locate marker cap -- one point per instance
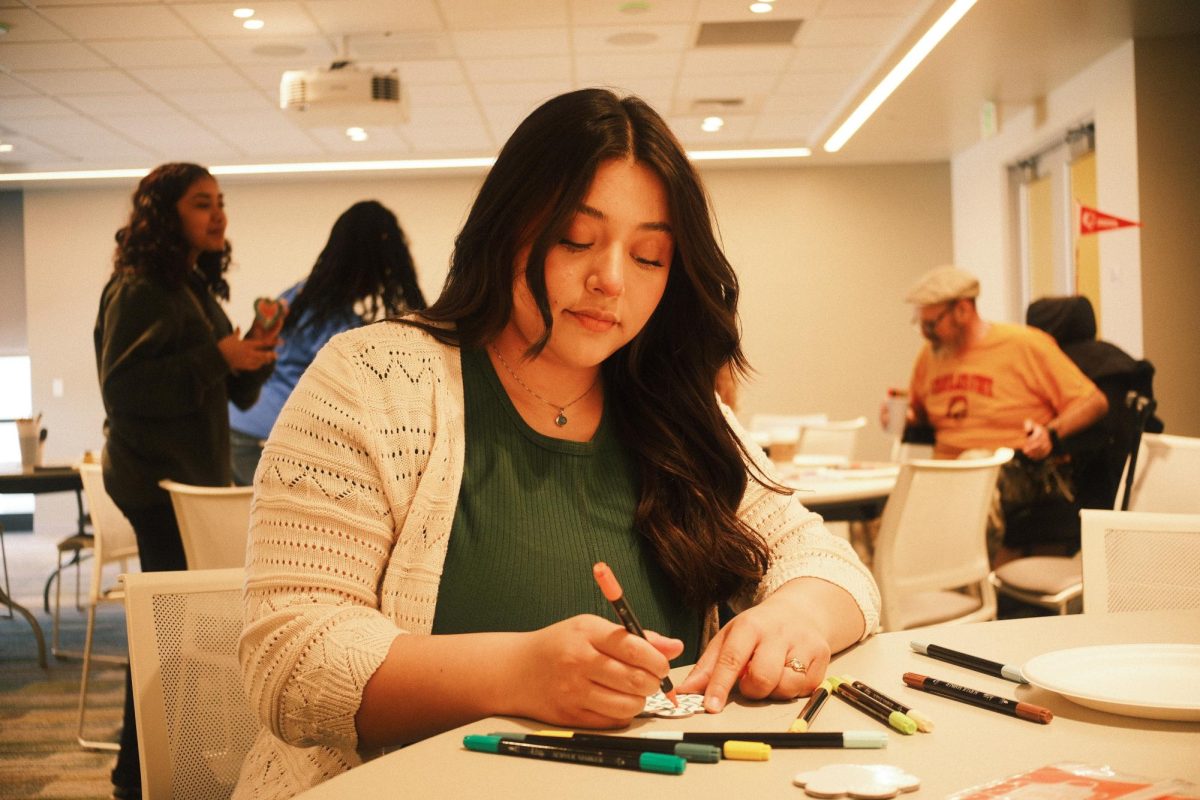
(1013, 674)
(700, 753)
(661, 762)
(747, 751)
(902, 723)
(483, 744)
(798, 726)
(864, 739)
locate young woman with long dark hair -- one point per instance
(169, 362)
(364, 273)
(437, 489)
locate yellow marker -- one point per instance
(809, 712)
(746, 751)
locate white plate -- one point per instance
(1156, 681)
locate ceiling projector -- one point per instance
(343, 94)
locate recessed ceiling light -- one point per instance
(253, 24)
(243, 13)
(6, 148)
(712, 124)
(761, 8)
(356, 134)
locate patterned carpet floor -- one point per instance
(39, 757)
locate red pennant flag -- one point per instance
(1093, 221)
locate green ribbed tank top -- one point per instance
(534, 514)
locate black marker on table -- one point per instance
(1006, 671)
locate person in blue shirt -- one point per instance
(364, 273)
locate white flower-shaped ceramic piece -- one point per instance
(859, 781)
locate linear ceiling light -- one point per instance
(363, 166)
(899, 72)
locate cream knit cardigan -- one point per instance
(353, 503)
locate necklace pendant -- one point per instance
(561, 419)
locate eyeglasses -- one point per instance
(929, 324)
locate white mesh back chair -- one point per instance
(831, 437)
(113, 545)
(1167, 475)
(1139, 561)
(195, 725)
(214, 522)
(931, 560)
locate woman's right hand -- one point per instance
(246, 355)
(587, 672)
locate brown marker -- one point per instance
(975, 697)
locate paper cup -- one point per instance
(27, 436)
(897, 408)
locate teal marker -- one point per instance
(578, 754)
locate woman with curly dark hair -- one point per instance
(169, 361)
(364, 273)
(434, 497)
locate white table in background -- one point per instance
(969, 746)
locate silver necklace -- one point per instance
(561, 418)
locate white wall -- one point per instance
(1103, 93)
(824, 256)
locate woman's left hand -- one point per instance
(779, 649)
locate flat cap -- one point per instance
(941, 284)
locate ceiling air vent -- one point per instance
(740, 34)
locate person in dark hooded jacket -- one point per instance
(1098, 454)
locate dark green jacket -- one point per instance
(165, 388)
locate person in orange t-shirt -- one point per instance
(983, 384)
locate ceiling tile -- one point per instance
(421, 96)
(254, 132)
(157, 52)
(596, 68)
(687, 130)
(736, 60)
(382, 142)
(288, 52)
(840, 31)
(21, 56)
(119, 105)
(240, 100)
(353, 17)
(666, 39)
(726, 11)
(784, 129)
(833, 59)
(153, 131)
(11, 87)
(83, 139)
(607, 12)
(75, 82)
(512, 41)
(461, 15)
(724, 85)
(26, 26)
(281, 18)
(21, 107)
(432, 73)
(88, 23)
(404, 46)
(171, 79)
(500, 70)
(452, 140)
